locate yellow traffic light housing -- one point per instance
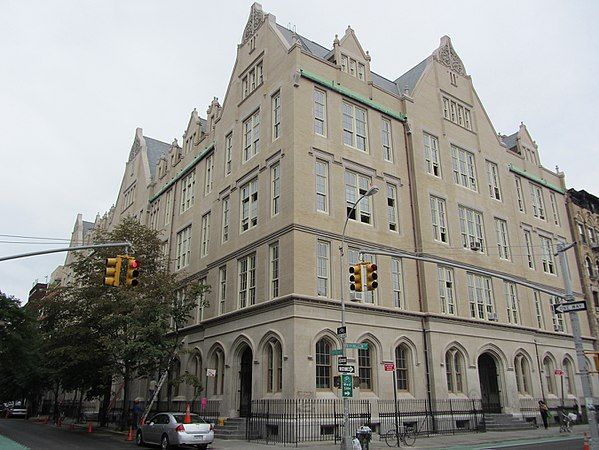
(355, 277)
(112, 276)
(132, 272)
(371, 277)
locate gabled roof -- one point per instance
(155, 150)
(203, 125)
(409, 79)
(509, 141)
(87, 226)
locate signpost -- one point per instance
(342, 360)
(390, 367)
(357, 345)
(347, 385)
(346, 369)
(570, 307)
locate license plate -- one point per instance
(199, 436)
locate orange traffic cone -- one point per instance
(90, 428)
(187, 418)
(585, 444)
(130, 435)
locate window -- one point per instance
(454, 366)
(276, 116)
(493, 178)
(129, 196)
(353, 67)
(322, 186)
(446, 290)
(464, 172)
(365, 368)
(554, 209)
(365, 296)
(205, 235)
(386, 139)
(592, 235)
(457, 113)
(522, 369)
(275, 189)
(274, 366)
(361, 72)
(559, 324)
(356, 186)
(549, 368)
(480, 296)
(154, 210)
(547, 255)
(251, 136)
(274, 270)
(503, 244)
(529, 249)
(187, 192)
(168, 209)
(581, 233)
(589, 266)
(539, 310)
(511, 301)
(402, 364)
(568, 380)
(453, 78)
(226, 206)
(222, 296)
(228, 153)
(354, 126)
(249, 205)
(247, 280)
(439, 220)
(538, 206)
(209, 171)
(200, 302)
(320, 112)
(323, 364)
(392, 207)
(218, 362)
(431, 155)
(323, 268)
(471, 226)
(344, 63)
(520, 195)
(183, 247)
(252, 80)
(396, 283)
(174, 383)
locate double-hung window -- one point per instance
(209, 172)
(226, 214)
(251, 136)
(471, 227)
(480, 296)
(392, 215)
(276, 116)
(553, 201)
(520, 194)
(205, 235)
(247, 280)
(446, 290)
(530, 258)
(439, 220)
(559, 324)
(183, 247)
(323, 268)
(539, 310)
(168, 208)
(322, 186)
(222, 296)
(464, 171)
(547, 255)
(228, 153)
(249, 205)
(396, 283)
(320, 112)
(538, 206)
(275, 189)
(187, 192)
(355, 186)
(511, 301)
(431, 155)
(493, 179)
(354, 126)
(274, 269)
(386, 140)
(503, 244)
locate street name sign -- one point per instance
(342, 360)
(357, 345)
(570, 307)
(347, 386)
(346, 369)
(337, 352)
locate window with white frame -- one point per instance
(322, 186)
(589, 266)
(353, 67)
(386, 140)
(439, 220)
(226, 218)
(539, 310)
(480, 296)
(549, 369)
(276, 115)
(493, 179)
(464, 171)
(274, 366)
(324, 365)
(503, 244)
(559, 324)
(519, 194)
(554, 209)
(568, 385)
(354, 126)
(129, 196)
(275, 189)
(431, 155)
(547, 255)
(168, 209)
(205, 235)
(511, 301)
(209, 172)
(323, 268)
(454, 371)
(402, 365)
(471, 227)
(274, 270)
(154, 212)
(364, 296)
(201, 304)
(530, 258)
(222, 295)
(249, 205)
(397, 283)
(187, 192)
(251, 136)
(183, 247)
(252, 80)
(457, 113)
(355, 186)
(522, 370)
(538, 206)
(320, 112)
(392, 215)
(247, 280)
(228, 153)
(446, 290)
(365, 367)
(581, 233)
(592, 235)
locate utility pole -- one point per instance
(582, 366)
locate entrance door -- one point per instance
(245, 383)
(489, 384)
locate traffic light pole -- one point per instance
(66, 249)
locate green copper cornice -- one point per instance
(541, 181)
(183, 171)
(329, 84)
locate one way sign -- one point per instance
(570, 307)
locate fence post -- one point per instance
(335, 419)
(453, 424)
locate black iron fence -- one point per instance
(529, 407)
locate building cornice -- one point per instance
(538, 180)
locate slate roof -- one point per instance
(155, 150)
(203, 125)
(87, 226)
(509, 141)
(410, 78)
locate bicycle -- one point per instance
(407, 435)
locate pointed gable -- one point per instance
(254, 22)
(447, 56)
(349, 42)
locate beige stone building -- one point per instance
(254, 200)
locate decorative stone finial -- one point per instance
(336, 40)
(447, 56)
(254, 21)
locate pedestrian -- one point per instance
(544, 410)
(137, 412)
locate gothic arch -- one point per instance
(410, 344)
(328, 333)
(236, 346)
(270, 334)
(375, 341)
(521, 351)
(496, 352)
(461, 348)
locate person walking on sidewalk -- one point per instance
(544, 410)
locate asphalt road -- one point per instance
(570, 444)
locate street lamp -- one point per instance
(346, 439)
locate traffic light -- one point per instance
(355, 277)
(371, 277)
(132, 272)
(113, 271)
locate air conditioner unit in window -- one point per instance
(493, 317)
(475, 246)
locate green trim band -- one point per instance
(536, 179)
(184, 171)
(353, 95)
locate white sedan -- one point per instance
(168, 430)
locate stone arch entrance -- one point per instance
(488, 376)
(245, 381)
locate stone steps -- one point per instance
(506, 422)
(234, 428)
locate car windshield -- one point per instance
(180, 418)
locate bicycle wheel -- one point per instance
(409, 436)
(391, 438)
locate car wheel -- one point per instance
(164, 444)
(203, 446)
(139, 440)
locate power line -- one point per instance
(34, 237)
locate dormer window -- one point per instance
(252, 80)
(353, 67)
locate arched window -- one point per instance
(568, 378)
(597, 266)
(218, 363)
(274, 366)
(549, 368)
(365, 367)
(454, 367)
(589, 266)
(323, 364)
(402, 363)
(522, 374)
(195, 368)
(174, 374)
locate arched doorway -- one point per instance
(489, 383)
(245, 382)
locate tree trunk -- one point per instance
(55, 411)
(125, 413)
(103, 416)
(79, 406)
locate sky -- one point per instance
(78, 77)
